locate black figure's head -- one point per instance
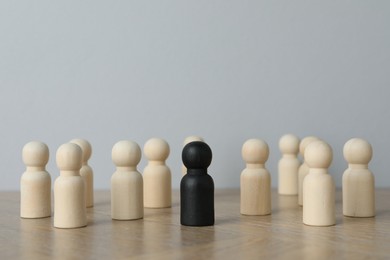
(196, 155)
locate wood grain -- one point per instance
(160, 236)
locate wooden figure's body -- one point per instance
(358, 180)
(197, 186)
(288, 165)
(303, 169)
(126, 182)
(255, 180)
(318, 187)
(69, 209)
(69, 189)
(86, 171)
(255, 191)
(35, 183)
(189, 139)
(157, 175)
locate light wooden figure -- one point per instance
(69, 189)
(189, 139)
(303, 169)
(35, 183)
(127, 200)
(318, 186)
(288, 165)
(86, 171)
(157, 175)
(255, 180)
(358, 180)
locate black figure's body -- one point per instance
(197, 187)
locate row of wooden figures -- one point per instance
(310, 180)
(131, 191)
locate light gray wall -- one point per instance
(225, 70)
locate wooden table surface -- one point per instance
(160, 236)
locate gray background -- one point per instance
(225, 70)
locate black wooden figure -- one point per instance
(197, 187)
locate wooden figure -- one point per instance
(197, 186)
(303, 169)
(288, 165)
(189, 139)
(157, 175)
(255, 180)
(35, 183)
(127, 201)
(69, 189)
(318, 186)
(86, 171)
(358, 181)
